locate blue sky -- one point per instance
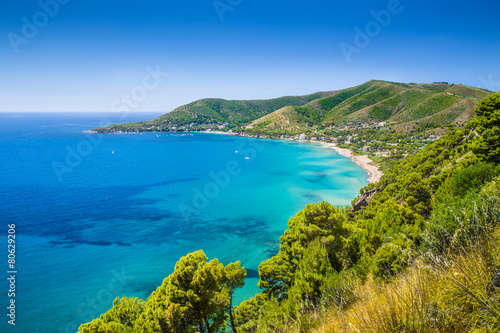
(86, 55)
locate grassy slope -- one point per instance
(408, 105)
(290, 119)
(451, 291)
(217, 111)
(447, 238)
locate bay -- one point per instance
(100, 216)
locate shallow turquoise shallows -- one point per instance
(100, 216)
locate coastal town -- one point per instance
(370, 145)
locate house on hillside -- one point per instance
(302, 137)
(434, 137)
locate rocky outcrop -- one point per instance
(364, 200)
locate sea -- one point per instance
(100, 216)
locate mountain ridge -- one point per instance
(407, 105)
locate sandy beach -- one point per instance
(374, 174)
(363, 161)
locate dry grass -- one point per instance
(402, 305)
(454, 293)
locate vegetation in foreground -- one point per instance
(420, 253)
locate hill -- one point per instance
(407, 106)
(212, 113)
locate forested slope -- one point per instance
(421, 255)
(408, 105)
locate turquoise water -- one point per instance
(100, 216)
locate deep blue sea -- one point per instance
(104, 215)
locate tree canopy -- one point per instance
(425, 205)
(487, 126)
(196, 297)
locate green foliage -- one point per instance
(413, 98)
(313, 269)
(435, 104)
(441, 202)
(388, 260)
(247, 313)
(234, 278)
(467, 180)
(197, 296)
(276, 275)
(329, 103)
(338, 289)
(380, 112)
(321, 222)
(434, 184)
(192, 298)
(416, 193)
(487, 126)
(437, 86)
(280, 317)
(385, 101)
(207, 113)
(469, 91)
(309, 115)
(120, 318)
(456, 201)
(372, 98)
(100, 326)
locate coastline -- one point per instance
(374, 174)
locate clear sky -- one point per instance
(75, 55)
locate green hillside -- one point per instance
(419, 251)
(392, 119)
(407, 106)
(288, 120)
(213, 112)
